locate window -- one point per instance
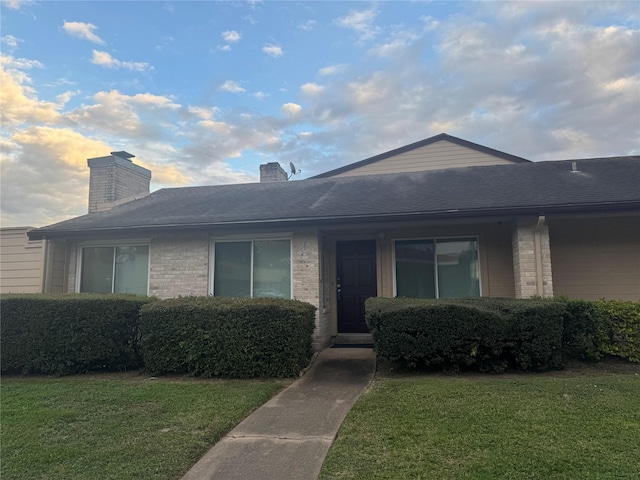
(115, 269)
(257, 268)
(437, 268)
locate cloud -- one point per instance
(311, 89)
(361, 22)
(232, 87)
(308, 25)
(331, 70)
(231, 36)
(82, 30)
(17, 4)
(104, 59)
(273, 50)
(260, 95)
(291, 109)
(10, 41)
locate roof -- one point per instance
(524, 188)
(423, 143)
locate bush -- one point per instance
(66, 334)
(483, 334)
(209, 336)
(623, 318)
(586, 330)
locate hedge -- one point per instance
(483, 334)
(67, 334)
(209, 336)
(623, 322)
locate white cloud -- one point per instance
(273, 50)
(260, 95)
(361, 22)
(82, 30)
(311, 89)
(104, 59)
(308, 25)
(224, 48)
(231, 36)
(232, 87)
(203, 112)
(291, 109)
(10, 41)
(17, 4)
(331, 70)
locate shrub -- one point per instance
(483, 334)
(585, 330)
(66, 334)
(623, 318)
(209, 336)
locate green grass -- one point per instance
(584, 426)
(117, 426)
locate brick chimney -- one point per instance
(272, 172)
(114, 178)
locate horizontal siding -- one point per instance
(436, 156)
(20, 262)
(596, 258)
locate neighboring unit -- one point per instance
(440, 218)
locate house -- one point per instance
(443, 217)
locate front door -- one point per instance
(355, 283)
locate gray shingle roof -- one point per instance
(536, 187)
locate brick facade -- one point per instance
(113, 178)
(531, 259)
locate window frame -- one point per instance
(435, 259)
(134, 242)
(251, 239)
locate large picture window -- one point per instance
(257, 268)
(115, 269)
(437, 268)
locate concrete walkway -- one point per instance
(290, 435)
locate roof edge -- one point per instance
(423, 143)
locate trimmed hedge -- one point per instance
(586, 330)
(210, 336)
(623, 319)
(67, 334)
(484, 334)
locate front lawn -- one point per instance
(565, 425)
(118, 426)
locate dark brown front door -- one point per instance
(355, 283)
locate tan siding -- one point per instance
(436, 156)
(20, 262)
(596, 257)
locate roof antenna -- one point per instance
(293, 170)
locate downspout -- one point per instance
(538, 251)
(44, 266)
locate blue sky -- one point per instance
(204, 92)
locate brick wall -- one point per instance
(112, 178)
(179, 265)
(307, 284)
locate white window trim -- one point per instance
(110, 243)
(435, 260)
(248, 238)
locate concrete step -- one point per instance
(352, 338)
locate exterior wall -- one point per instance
(596, 257)
(112, 178)
(179, 265)
(307, 269)
(494, 239)
(21, 261)
(55, 271)
(436, 156)
(532, 259)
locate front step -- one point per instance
(352, 338)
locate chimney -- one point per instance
(114, 178)
(272, 172)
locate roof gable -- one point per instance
(434, 153)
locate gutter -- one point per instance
(538, 254)
(41, 233)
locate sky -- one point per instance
(202, 93)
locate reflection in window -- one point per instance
(441, 268)
(260, 268)
(115, 269)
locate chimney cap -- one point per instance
(123, 154)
